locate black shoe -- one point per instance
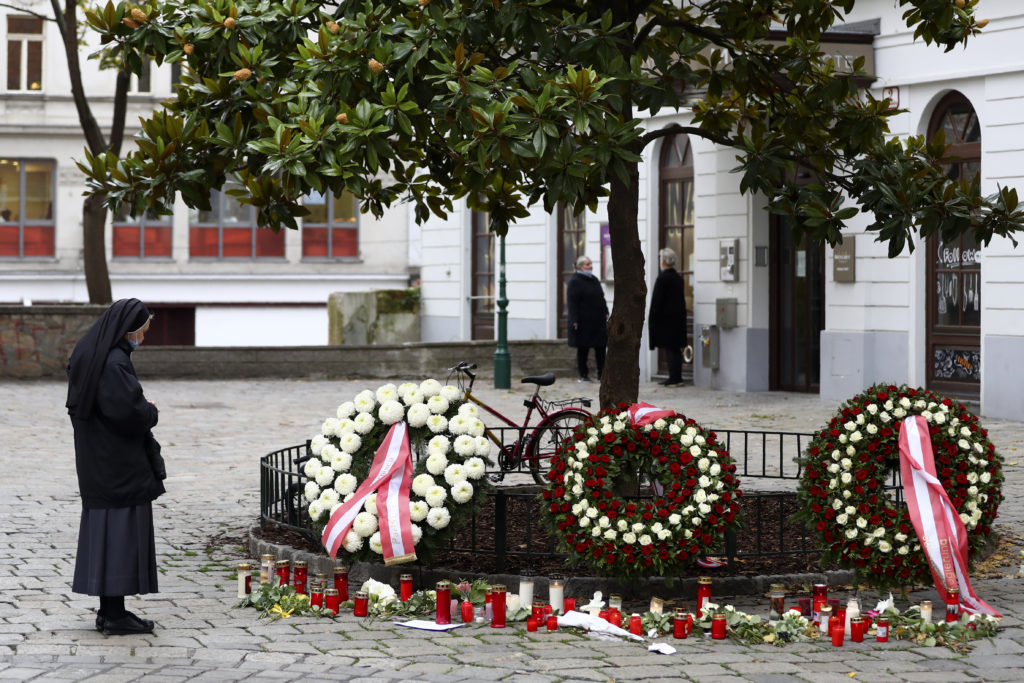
(100, 621)
(673, 383)
(584, 379)
(129, 624)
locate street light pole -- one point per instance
(502, 360)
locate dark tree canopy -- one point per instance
(511, 103)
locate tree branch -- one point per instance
(25, 10)
(69, 33)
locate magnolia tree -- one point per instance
(512, 103)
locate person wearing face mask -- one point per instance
(120, 470)
(588, 317)
(666, 323)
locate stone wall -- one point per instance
(387, 316)
(35, 341)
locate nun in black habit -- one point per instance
(119, 467)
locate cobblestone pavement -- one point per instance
(213, 434)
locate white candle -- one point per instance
(852, 611)
(512, 603)
(926, 611)
(526, 591)
(556, 595)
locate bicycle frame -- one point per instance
(531, 404)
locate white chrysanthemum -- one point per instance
(370, 504)
(475, 468)
(347, 427)
(418, 510)
(439, 444)
(345, 484)
(325, 477)
(476, 428)
(404, 388)
(438, 405)
(429, 388)
(436, 495)
(436, 463)
(417, 533)
(329, 498)
(328, 453)
(418, 415)
(469, 410)
(462, 492)
(311, 467)
(465, 445)
(341, 462)
(316, 510)
(439, 518)
(350, 442)
(459, 424)
(421, 483)
(363, 423)
(365, 524)
(353, 542)
(483, 446)
(386, 392)
(375, 544)
(437, 423)
(455, 473)
(330, 426)
(311, 492)
(346, 410)
(317, 443)
(365, 401)
(450, 393)
(391, 412)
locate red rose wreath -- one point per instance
(692, 502)
(847, 495)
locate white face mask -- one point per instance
(133, 343)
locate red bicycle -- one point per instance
(533, 445)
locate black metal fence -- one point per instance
(765, 532)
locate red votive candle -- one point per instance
(331, 600)
(604, 614)
(636, 625)
(531, 624)
(679, 623)
(537, 610)
(882, 629)
(615, 617)
(570, 604)
(718, 627)
(703, 594)
(444, 603)
(316, 595)
(301, 576)
(498, 606)
(805, 607)
(838, 632)
(405, 586)
(857, 630)
(552, 622)
(953, 604)
(466, 609)
(283, 571)
(341, 582)
(362, 606)
(818, 600)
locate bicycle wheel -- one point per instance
(548, 436)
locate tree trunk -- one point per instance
(97, 278)
(620, 382)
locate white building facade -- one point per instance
(785, 316)
(213, 278)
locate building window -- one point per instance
(24, 53)
(26, 208)
(331, 230)
(142, 82)
(483, 276)
(148, 236)
(229, 231)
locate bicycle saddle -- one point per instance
(545, 380)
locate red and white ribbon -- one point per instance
(641, 414)
(942, 533)
(390, 477)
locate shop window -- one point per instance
(146, 237)
(229, 231)
(24, 53)
(26, 208)
(331, 230)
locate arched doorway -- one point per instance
(953, 320)
(675, 227)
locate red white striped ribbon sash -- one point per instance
(942, 533)
(641, 414)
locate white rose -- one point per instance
(964, 444)
(699, 496)
(905, 402)
(842, 519)
(856, 436)
(862, 523)
(846, 477)
(584, 521)
(985, 477)
(703, 464)
(592, 513)
(884, 546)
(645, 540)
(872, 429)
(622, 525)
(846, 463)
(674, 519)
(610, 534)
(965, 431)
(703, 481)
(704, 509)
(871, 408)
(899, 413)
(940, 418)
(629, 537)
(850, 426)
(604, 522)
(903, 550)
(638, 527)
(686, 440)
(851, 534)
(833, 468)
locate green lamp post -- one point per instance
(502, 360)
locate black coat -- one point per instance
(666, 323)
(110, 455)
(588, 312)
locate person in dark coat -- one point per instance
(588, 317)
(667, 320)
(119, 467)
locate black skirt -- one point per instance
(116, 552)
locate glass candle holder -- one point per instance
(284, 571)
(405, 587)
(824, 614)
(526, 588)
(819, 597)
(805, 607)
(267, 566)
(852, 612)
(636, 624)
(953, 604)
(552, 622)
(556, 593)
(718, 626)
(857, 629)
(444, 603)
(244, 579)
(316, 594)
(604, 614)
(466, 611)
(498, 606)
(569, 604)
(341, 581)
(703, 594)
(926, 611)
(331, 600)
(776, 602)
(531, 624)
(537, 609)
(300, 576)
(679, 623)
(837, 635)
(615, 601)
(615, 617)
(882, 629)
(657, 606)
(362, 604)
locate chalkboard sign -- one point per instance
(962, 364)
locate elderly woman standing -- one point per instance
(119, 467)
(667, 320)
(588, 317)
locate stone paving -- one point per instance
(213, 434)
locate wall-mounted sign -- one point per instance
(607, 267)
(844, 260)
